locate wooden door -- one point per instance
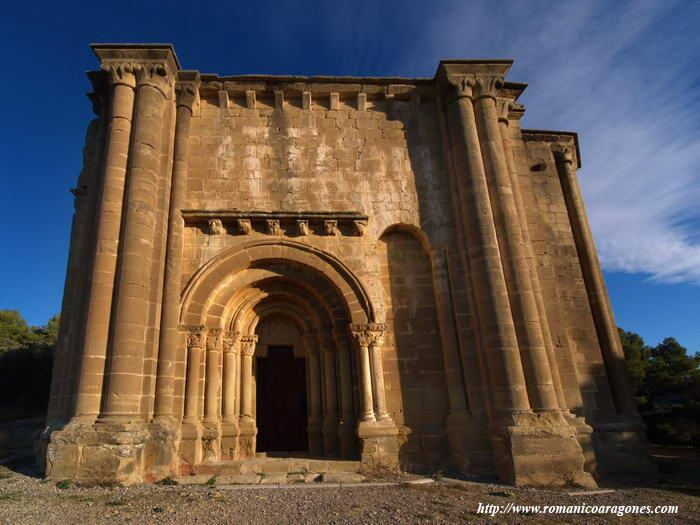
(281, 401)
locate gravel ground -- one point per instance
(28, 499)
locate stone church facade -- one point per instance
(388, 270)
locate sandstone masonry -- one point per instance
(381, 269)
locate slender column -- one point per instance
(496, 329)
(503, 122)
(606, 328)
(314, 427)
(375, 352)
(247, 351)
(448, 335)
(315, 386)
(231, 351)
(347, 414)
(195, 343)
(211, 392)
(186, 92)
(101, 278)
(330, 416)
(522, 299)
(365, 334)
(122, 400)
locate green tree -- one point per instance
(666, 381)
(14, 330)
(47, 335)
(637, 361)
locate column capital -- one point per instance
(156, 75)
(214, 339)
(120, 73)
(248, 345)
(195, 336)
(186, 88)
(367, 334)
(563, 152)
(230, 341)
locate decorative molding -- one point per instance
(216, 227)
(277, 223)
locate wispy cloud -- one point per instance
(624, 75)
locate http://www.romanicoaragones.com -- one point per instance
(493, 509)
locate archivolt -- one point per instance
(299, 263)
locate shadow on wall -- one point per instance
(413, 366)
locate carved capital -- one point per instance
(195, 336)
(487, 86)
(330, 227)
(368, 334)
(459, 86)
(473, 86)
(230, 341)
(120, 73)
(273, 227)
(244, 226)
(214, 339)
(156, 75)
(248, 345)
(216, 227)
(563, 152)
(186, 92)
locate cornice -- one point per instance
(137, 52)
(568, 138)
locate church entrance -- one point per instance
(281, 409)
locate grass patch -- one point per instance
(115, 503)
(211, 481)
(63, 484)
(167, 481)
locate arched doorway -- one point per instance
(227, 304)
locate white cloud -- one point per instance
(626, 77)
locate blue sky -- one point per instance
(624, 75)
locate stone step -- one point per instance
(274, 478)
(276, 466)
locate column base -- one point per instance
(538, 450)
(469, 444)
(97, 452)
(211, 441)
(229, 440)
(161, 456)
(190, 446)
(246, 439)
(379, 444)
(621, 447)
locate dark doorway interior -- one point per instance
(281, 401)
